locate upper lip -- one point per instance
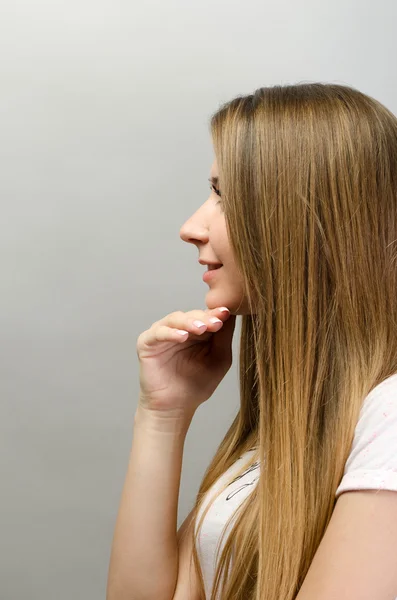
(205, 262)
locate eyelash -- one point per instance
(217, 192)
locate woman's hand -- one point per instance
(180, 372)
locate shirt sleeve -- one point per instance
(372, 463)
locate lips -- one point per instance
(214, 267)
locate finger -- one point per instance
(194, 320)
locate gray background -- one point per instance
(104, 153)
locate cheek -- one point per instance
(220, 243)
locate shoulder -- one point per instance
(372, 462)
(356, 559)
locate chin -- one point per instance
(237, 306)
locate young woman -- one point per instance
(299, 501)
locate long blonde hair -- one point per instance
(308, 176)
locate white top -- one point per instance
(372, 464)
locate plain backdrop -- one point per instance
(105, 151)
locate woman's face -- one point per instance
(206, 229)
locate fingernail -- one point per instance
(199, 324)
(224, 309)
(214, 320)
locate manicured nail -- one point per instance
(214, 320)
(224, 309)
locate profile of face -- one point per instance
(206, 229)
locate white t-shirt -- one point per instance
(372, 464)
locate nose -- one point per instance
(193, 233)
(195, 230)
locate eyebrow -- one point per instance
(214, 180)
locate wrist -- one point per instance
(175, 421)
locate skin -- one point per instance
(206, 229)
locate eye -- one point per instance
(217, 192)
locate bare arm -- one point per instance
(144, 556)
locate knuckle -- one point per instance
(176, 314)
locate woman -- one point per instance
(299, 500)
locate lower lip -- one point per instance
(208, 275)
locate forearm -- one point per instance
(144, 556)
